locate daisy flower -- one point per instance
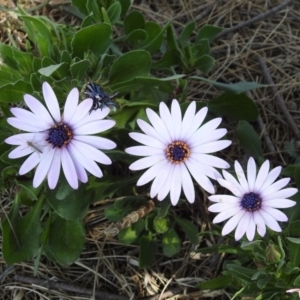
(54, 140)
(177, 149)
(255, 201)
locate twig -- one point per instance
(165, 295)
(6, 272)
(278, 98)
(69, 288)
(255, 19)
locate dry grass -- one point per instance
(105, 264)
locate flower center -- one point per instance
(59, 135)
(178, 152)
(251, 202)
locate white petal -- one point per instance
(241, 176)
(285, 193)
(85, 161)
(95, 115)
(251, 173)
(275, 213)
(94, 127)
(279, 203)
(233, 222)
(226, 214)
(24, 138)
(229, 186)
(158, 125)
(92, 152)
(25, 126)
(80, 171)
(166, 117)
(162, 194)
(238, 189)
(212, 147)
(54, 170)
(272, 176)
(175, 185)
(81, 112)
(227, 199)
(202, 180)
(51, 101)
(251, 229)
(69, 168)
(159, 180)
(149, 130)
(71, 105)
(20, 152)
(204, 168)
(261, 176)
(275, 187)
(242, 226)
(151, 173)
(197, 121)
(270, 221)
(146, 162)
(146, 140)
(29, 163)
(39, 109)
(143, 150)
(260, 223)
(188, 120)
(219, 207)
(177, 118)
(43, 168)
(210, 160)
(96, 141)
(213, 136)
(187, 184)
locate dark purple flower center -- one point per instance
(178, 152)
(59, 135)
(251, 202)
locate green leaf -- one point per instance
(187, 31)
(130, 234)
(205, 63)
(13, 93)
(81, 6)
(114, 12)
(65, 241)
(296, 282)
(125, 6)
(220, 282)
(236, 88)
(48, 71)
(134, 20)
(170, 243)
(161, 224)
(8, 75)
(294, 251)
(249, 139)
(189, 229)
(208, 32)
(73, 206)
(147, 249)
(220, 249)
(168, 60)
(135, 36)
(240, 272)
(87, 39)
(234, 106)
(130, 65)
(79, 69)
(21, 235)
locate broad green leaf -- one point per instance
(189, 229)
(220, 282)
(134, 20)
(187, 31)
(35, 82)
(161, 224)
(147, 249)
(249, 139)
(294, 251)
(220, 249)
(170, 243)
(105, 16)
(79, 69)
(21, 235)
(87, 39)
(240, 272)
(168, 60)
(130, 65)
(66, 57)
(296, 282)
(130, 234)
(65, 241)
(13, 93)
(237, 88)
(234, 106)
(8, 75)
(81, 6)
(73, 206)
(200, 49)
(208, 32)
(135, 36)
(172, 40)
(125, 4)
(293, 240)
(205, 63)
(114, 12)
(48, 71)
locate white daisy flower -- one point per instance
(255, 201)
(56, 140)
(177, 148)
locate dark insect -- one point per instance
(100, 99)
